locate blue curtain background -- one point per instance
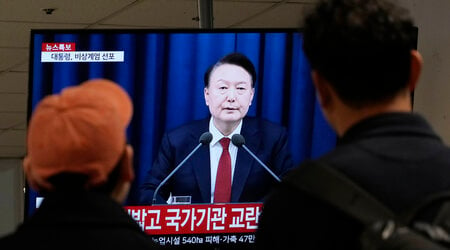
(163, 73)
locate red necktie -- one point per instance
(222, 192)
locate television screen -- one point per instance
(163, 70)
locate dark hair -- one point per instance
(237, 59)
(362, 47)
(70, 182)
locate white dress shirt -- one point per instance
(215, 151)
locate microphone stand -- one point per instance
(173, 172)
(262, 164)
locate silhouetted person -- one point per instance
(78, 159)
(364, 68)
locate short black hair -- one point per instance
(237, 59)
(362, 47)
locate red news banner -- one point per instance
(58, 47)
(212, 223)
(59, 52)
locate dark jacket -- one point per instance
(78, 220)
(251, 182)
(396, 157)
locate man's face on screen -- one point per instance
(229, 93)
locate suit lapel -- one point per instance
(244, 161)
(200, 163)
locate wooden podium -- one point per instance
(199, 224)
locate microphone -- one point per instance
(239, 141)
(205, 139)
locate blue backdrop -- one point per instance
(163, 73)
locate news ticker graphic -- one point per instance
(210, 224)
(66, 52)
(197, 218)
(205, 239)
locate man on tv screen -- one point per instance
(219, 171)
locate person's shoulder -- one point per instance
(187, 134)
(8, 241)
(21, 238)
(196, 127)
(262, 123)
(298, 170)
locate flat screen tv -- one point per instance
(162, 70)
